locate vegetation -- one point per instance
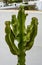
(30, 7)
(12, 1)
(16, 30)
(5, 1)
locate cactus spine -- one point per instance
(16, 30)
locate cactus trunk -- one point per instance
(21, 58)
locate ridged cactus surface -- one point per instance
(16, 30)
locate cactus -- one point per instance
(16, 30)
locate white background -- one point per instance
(33, 56)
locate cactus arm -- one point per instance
(14, 25)
(9, 44)
(10, 39)
(33, 32)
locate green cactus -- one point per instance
(16, 30)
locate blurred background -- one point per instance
(15, 4)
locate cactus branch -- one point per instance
(31, 33)
(10, 39)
